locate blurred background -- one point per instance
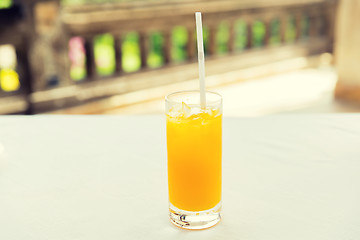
(123, 56)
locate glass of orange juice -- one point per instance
(194, 139)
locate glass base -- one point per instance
(195, 220)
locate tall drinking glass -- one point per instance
(194, 139)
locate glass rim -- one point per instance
(169, 100)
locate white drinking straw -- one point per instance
(201, 59)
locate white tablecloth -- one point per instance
(100, 177)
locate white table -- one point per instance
(100, 177)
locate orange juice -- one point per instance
(194, 160)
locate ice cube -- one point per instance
(175, 111)
(186, 110)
